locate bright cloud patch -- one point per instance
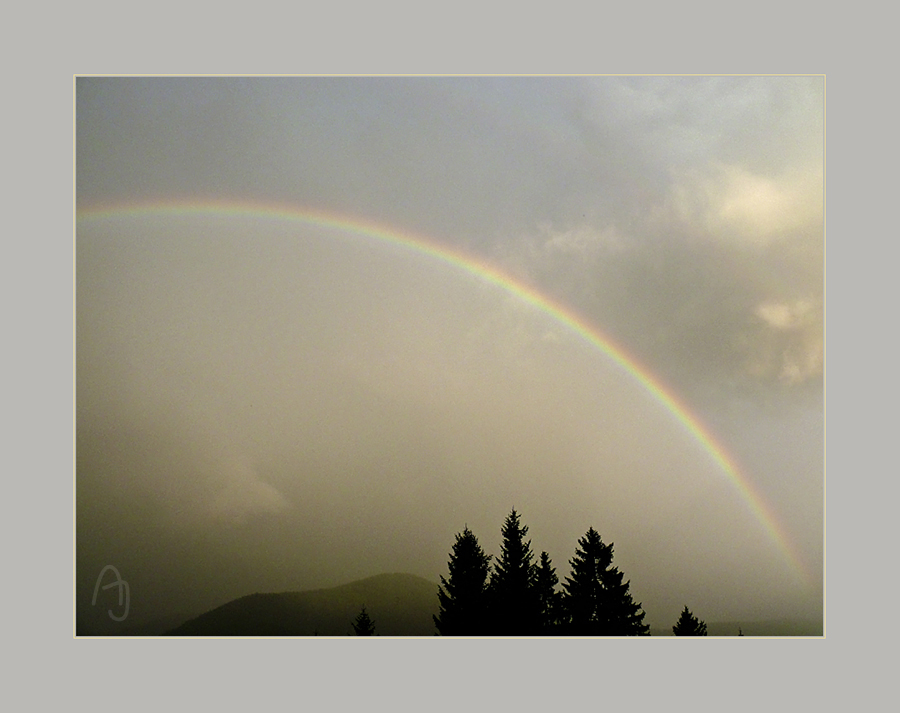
(788, 342)
(583, 240)
(729, 201)
(243, 495)
(786, 315)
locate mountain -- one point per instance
(399, 604)
(154, 627)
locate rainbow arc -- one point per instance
(562, 314)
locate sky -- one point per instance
(275, 391)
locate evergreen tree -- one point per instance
(596, 599)
(549, 599)
(463, 596)
(363, 625)
(689, 625)
(513, 596)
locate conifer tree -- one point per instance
(363, 625)
(689, 625)
(549, 599)
(463, 595)
(596, 599)
(513, 596)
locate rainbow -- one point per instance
(565, 316)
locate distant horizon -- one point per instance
(716, 628)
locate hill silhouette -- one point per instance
(399, 604)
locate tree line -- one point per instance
(517, 595)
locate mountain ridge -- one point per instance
(400, 604)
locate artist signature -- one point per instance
(123, 589)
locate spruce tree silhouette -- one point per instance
(514, 609)
(549, 599)
(463, 595)
(363, 625)
(597, 602)
(689, 625)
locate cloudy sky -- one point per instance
(269, 404)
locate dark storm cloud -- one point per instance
(460, 158)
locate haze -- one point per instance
(268, 405)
